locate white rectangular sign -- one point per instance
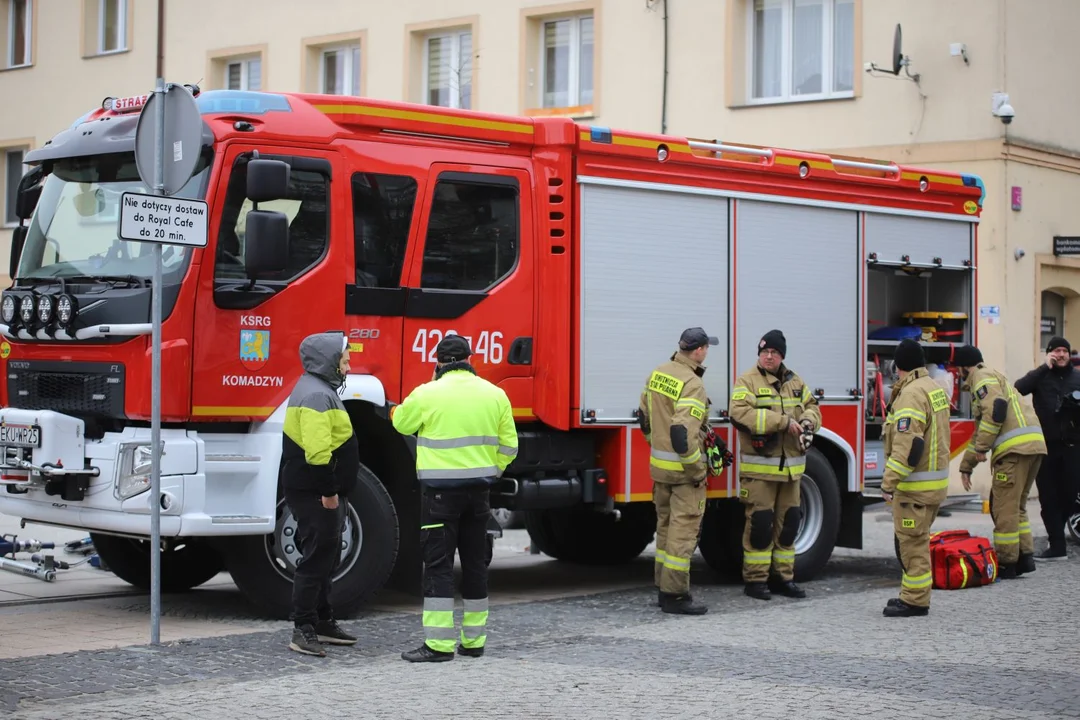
(164, 220)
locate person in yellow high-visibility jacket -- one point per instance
(466, 438)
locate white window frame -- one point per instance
(573, 86)
(455, 61)
(787, 47)
(245, 72)
(25, 168)
(349, 81)
(121, 29)
(27, 33)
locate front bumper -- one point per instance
(211, 485)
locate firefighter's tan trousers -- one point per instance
(679, 509)
(1013, 476)
(911, 523)
(772, 522)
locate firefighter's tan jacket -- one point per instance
(762, 407)
(674, 413)
(917, 439)
(1003, 425)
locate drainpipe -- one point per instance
(663, 102)
(160, 39)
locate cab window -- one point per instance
(382, 214)
(473, 233)
(307, 206)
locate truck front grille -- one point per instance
(77, 388)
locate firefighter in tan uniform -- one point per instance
(1012, 433)
(673, 414)
(777, 416)
(916, 481)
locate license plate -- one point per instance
(20, 435)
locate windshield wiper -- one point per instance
(110, 280)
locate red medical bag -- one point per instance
(961, 560)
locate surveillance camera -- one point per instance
(1019, 253)
(1001, 108)
(1006, 113)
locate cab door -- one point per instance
(473, 275)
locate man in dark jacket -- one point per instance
(319, 464)
(1059, 477)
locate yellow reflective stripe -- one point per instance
(739, 392)
(989, 427)
(933, 443)
(660, 555)
(1025, 528)
(691, 458)
(917, 581)
(1006, 538)
(792, 402)
(983, 383)
(431, 527)
(920, 485)
(766, 402)
(762, 469)
(783, 554)
(1030, 436)
(666, 464)
(910, 413)
(806, 394)
(963, 566)
(757, 558)
(672, 562)
(898, 467)
(760, 422)
(690, 402)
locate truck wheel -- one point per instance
(262, 566)
(819, 494)
(183, 568)
(583, 536)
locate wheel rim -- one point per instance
(1073, 526)
(502, 515)
(813, 515)
(282, 551)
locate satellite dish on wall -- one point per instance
(897, 51)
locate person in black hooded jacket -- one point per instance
(1059, 477)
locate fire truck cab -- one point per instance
(570, 256)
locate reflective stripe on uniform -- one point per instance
(1017, 436)
(757, 558)
(917, 582)
(783, 555)
(898, 467)
(474, 623)
(660, 555)
(439, 633)
(1006, 538)
(925, 480)
(910, 413)
(771, 465)
(678, 564)
(1025, 528)
(672, 461)
(429, 455)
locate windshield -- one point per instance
(74, 229)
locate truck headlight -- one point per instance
(7, 309)
(135, 462)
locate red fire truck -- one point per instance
(571, 256)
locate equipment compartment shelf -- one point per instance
(894, 343)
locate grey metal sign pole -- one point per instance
(155, 383)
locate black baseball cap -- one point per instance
(695, 337)
(452, 348)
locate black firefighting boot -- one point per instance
(757, 590)
(426, 654)
(1007, 571)
(681, 605)
(899, 608)
(786, 587)
(1026, 564)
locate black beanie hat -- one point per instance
(774, 340)
(1058, 342)
(909, 355)
(967, 356)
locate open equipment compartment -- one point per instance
(920, 283)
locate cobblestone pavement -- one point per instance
(1006, 651)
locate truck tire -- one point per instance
(182, 569)
(819, 492)
(583, 536)
(262, 566)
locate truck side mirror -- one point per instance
(18, 239)
(266, 242)
(267, 180)
(29, 192)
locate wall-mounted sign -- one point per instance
(1067, 245)
(1049, 325)
(1017, 197)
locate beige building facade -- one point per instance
(787, 73)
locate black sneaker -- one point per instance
(470, 652)
(426, 654)
(330, 632)
(902, 609)
(758, 590)
(786, 587)
(304, 640)
(1052, 553)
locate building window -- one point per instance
(1052, 320)
(243, 74)
(472, 234)
(801, 49)
(448, 69)
(567, 62)
(13, 173)
(382, 215)
(341, 70)
(20, 13)
(307, 207)
(112, 26)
